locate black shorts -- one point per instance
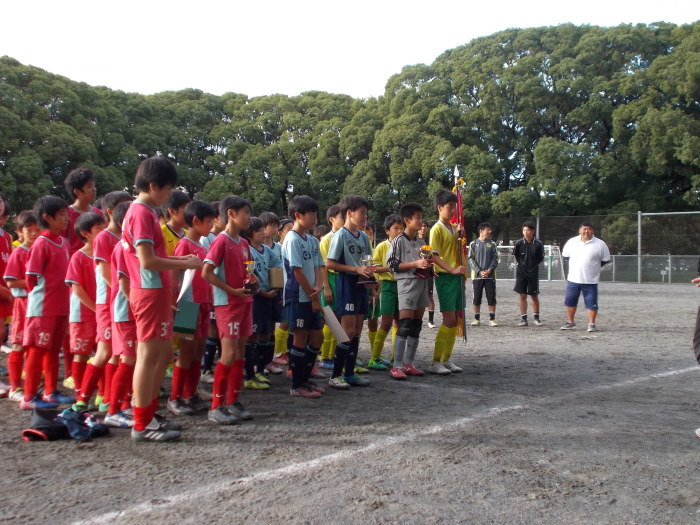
(490, 286)
(431, 284)
(263, 308)
(302, 317)
(527, 284)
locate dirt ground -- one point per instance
(543, 426)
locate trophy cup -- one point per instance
(367, 261)
(426, 252)
(250, 282)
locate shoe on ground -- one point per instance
(102, 408)
(196, 403)
(154, 433)
(260, 378)
(37, 402)
(523, 322)
(69, 383)
(79, 406)
(16, 395)
(431, 324)
(452, 367)
(493, 322)
(274, 369)
(397, 373)
(238, 410)
(253, 384)
(119, 420)
(439, 369)
(221, 416)
(356, 380)
(282, 360)
(327, 364)
(568, 326)
(207, 378)
(697, 432)
(476, 322)
(385, 362)
(359, 362)
(98, 401)
(338, 383)
(411, 370)
(314, 387)
(376, 364)
(304, 392)
(317, 374)
(179, 408)
(166, 424)
(169, 371)
(359, 369)
(538, 322)
(58, 398)
(591, 327)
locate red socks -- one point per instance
(50, 364)
(110, 369)
(90, 378)
(32, 371)
(78, 370)
(192, 379)
(235, 381)
(178, 383)
(121, 384)
(15, 363)
(221, 375)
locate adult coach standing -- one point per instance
(587, 254)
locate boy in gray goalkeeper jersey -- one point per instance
(483, 258)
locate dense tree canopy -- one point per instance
(562, 120)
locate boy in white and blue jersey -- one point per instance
(348, 246)
(302, 290)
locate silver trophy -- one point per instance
(367, 261)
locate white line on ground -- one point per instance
(292, 469)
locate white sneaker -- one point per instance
(697, 432)
(238, 410)
(431, 324)
(591, 327)
(439, 369)
(538, 322)
(523, 322)
(207, 378)
(338, 382)
(493, 322)
(452, 367)
(476, 322)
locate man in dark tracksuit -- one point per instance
(528, 253)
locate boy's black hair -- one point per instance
(302, 204)
(352, 203)
(268, 218)
(48, 205)
(321, 230)
(199, 209)
(332, 211)
(120, 212)
(7, 209)
(369, 226)
(25, 218)
(113, 198)
(444, 196)
(484, 225)
(409, 209)
(98, 203)
(155, 170)
(391, 220)
(85, 223)
(76, 179)
(587, 224)
(176, 200)
(255, 225)
(232, 202)
(283, 222)
(529, 224)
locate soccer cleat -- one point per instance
(523, 322)
(207, 378)
(260, 378)
(591, 327)
(697, 432)
(37, 402)
(385, 362)
(58, 398)
(282, 360)
(314, 387)
(69, 383)
(304, 392)
(568, 326)
(169, 371)
(376, 364)
(79, 406)
(253, 384)
(196, 403)
(156, 435)
(119, 420)
(493, 322)
(411, 370)
(327, 364)
(431, 324)
(538, 322)
(16, 395)
(361, 370)
(102, 408)
(397, 373)
(355, 380)
(439, 369)
(166, 424)
(238, 410)
(338, 383)
(98, 400)
(221, 416)
(317, 374)
(359, 362)
(476, 322)
(273, 369)
(452, 367)
(179, 408)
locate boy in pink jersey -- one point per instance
(80, 185)
(102, 365)
(5, 251)
(47, 304)
(199, 218)
(148, 266)
(225, 269)
(80, 277)
(14, 276)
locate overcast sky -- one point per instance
(261, 48)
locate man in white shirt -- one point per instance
(587, 254)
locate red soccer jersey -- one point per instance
(121, 311)
(5, 251)
(16, 268)
(141, 225)
(102, 248)
(228, 256)
(200, 291)
(81, 270)
(74, 242)
(48, 262)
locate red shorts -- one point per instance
(152, 313)
(234, 321)
(19, 312)
(104, 323)
(203, 321)
(124, 339)
(82, 337)
(45, 332)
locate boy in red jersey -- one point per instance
(199, 217)
(47, 304)
(225, 269)
(80, 185)
(80, 277)
(5, 251)
(102, 365)
(149, 268)
(15, 277)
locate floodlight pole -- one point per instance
(639, 247)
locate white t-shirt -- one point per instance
(585, 259)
